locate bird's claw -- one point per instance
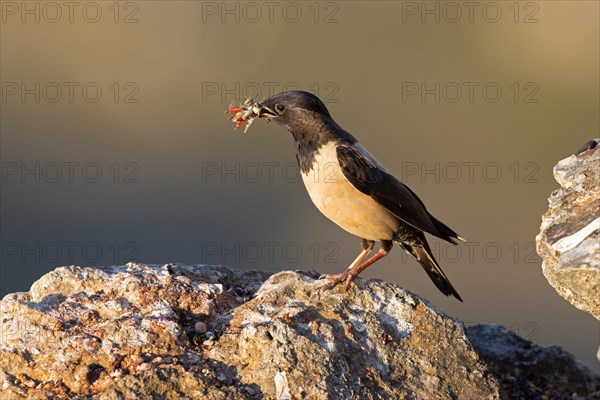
(335, 279)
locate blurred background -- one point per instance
(115, 147)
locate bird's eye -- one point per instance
(280, 108)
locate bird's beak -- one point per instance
(266, 113)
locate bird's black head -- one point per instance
(307, 118)
(296, 110)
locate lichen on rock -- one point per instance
(209, 332)
(569, 239)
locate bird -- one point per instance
(355, 191)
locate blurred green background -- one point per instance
(115, 147)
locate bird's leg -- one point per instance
(334, 279)
(342, 277)
(386, 246)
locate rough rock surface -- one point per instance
(569, 239)
(526, 370)
(206, 332)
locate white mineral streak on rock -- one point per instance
(569, 242)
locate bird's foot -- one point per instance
(335, 279)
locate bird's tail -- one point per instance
(447, 231)
(422, 253)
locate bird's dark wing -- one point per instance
(388, 191)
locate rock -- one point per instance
(528, 371)
(132, 331)
(200, 327)
(569, 239)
